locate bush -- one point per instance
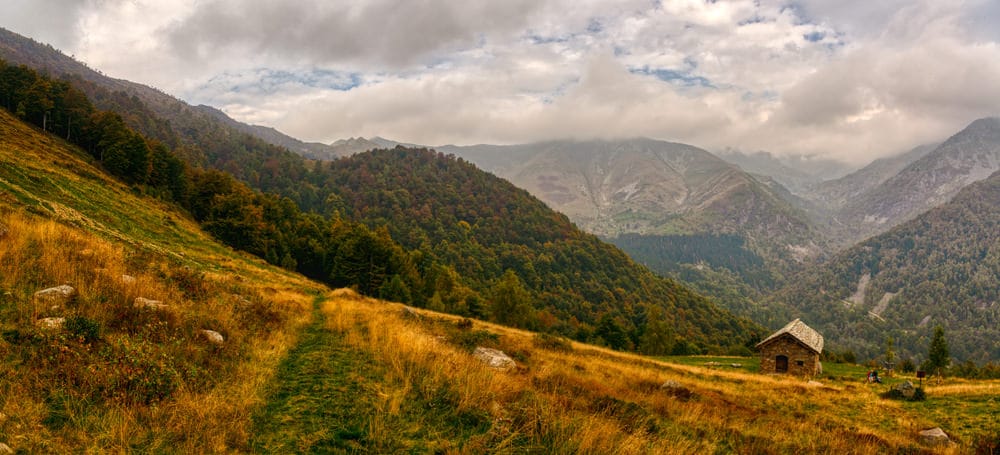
(83, 329)
(137, 372)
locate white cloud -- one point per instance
(851, 80)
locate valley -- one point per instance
(182, 276)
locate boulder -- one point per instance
(410, 313)
(814, 384)
(58, 295)
(148, 304)
(907, 389)
(934, 437)
(494, 358)
(5, 449)
(213, 336)
(51, 323)
(128, 279)
(676, 390)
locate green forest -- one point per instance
(938, 269)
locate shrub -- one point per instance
(137, 372)
(83, 329)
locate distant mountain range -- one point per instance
(797, 173)
(969, 156)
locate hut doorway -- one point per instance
(781, 364)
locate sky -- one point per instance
(851, 80)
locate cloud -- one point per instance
(50, 21)
(371, 34)
(851, 80)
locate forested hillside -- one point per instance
(942, 268)
(535, 267)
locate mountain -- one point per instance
(311, 150)
(835, 194)
(970, 155)
(940, 268)
(494, 234)
(797, 173)
(636, 186)
(651, 189)
(205, 137)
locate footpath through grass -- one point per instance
(318, 402)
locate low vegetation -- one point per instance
(424, 391)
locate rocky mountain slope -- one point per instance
(797, 173)
(969, 156)
(835, 194)
(650, 187)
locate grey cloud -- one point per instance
(373, 33)
(50, 21)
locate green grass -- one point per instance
(319, 401)
(841, 372)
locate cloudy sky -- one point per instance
(848, 79)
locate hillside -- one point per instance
(941, 268)
(797, 173)
(486, 230)
(970, 155)
(121, 377)
(834, 194)
(660, 201)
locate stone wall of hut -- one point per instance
(801, 360)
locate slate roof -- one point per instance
(798, 329)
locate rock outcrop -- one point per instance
(58, 295)
(51, 323)
(934, 437)
(213, 336)
(495, 359)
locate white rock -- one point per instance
(51, 323)
(128, 279)
(148, 304)
(934, 437)
(57, 295)
(5, 449)
(213, 336)
(494, 358)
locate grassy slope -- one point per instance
(356, 374)
(148, 381)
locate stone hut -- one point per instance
(792, 350)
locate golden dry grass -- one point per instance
(203, 411)
(592, 400)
